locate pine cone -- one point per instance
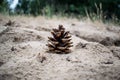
(60, 42)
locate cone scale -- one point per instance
(60, 42)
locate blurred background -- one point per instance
(93, 9)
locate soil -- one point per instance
(23, 51)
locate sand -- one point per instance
(95, 54)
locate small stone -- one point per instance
(1, 63)
(13, 48)
(107, 62)
(81, 45)
(16, 39)
(41, 58)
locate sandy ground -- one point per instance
(95, 54)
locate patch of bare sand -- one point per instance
(95, 54)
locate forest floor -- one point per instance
(95, 54)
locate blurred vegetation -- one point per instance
(94, 9)
(4, 7)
